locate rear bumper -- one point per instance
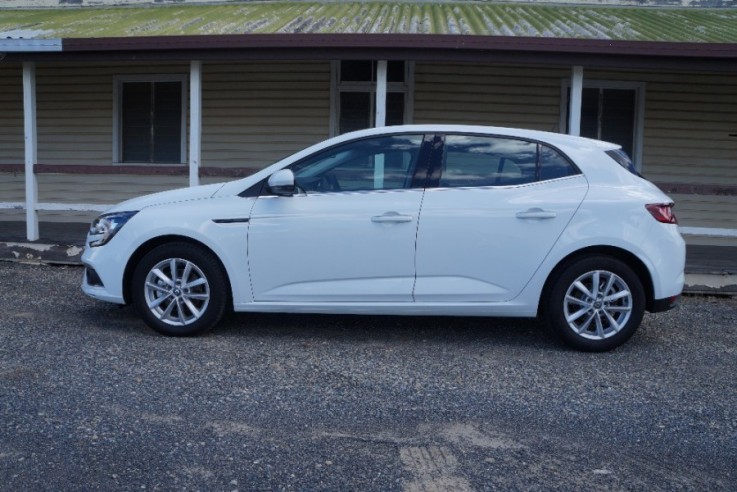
(660, 305)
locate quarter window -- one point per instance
(470, 160)
(383, 163)
(150, 121)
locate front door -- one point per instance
(349, 233)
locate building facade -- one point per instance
(98, 105)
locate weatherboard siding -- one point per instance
(488, 95)
(256, 113)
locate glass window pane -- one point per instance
(355, 111)
(167, 122)
(136, 122)
(590, 113)
(395, 71)
(151, 123)
(394, 108)
(553, 165)
(356, 71)
(487, 161)
(618, 117)
(369, 164)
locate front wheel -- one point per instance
(596, 304)
(180, 289)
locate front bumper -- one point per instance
(102, 278)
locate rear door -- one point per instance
(498, 207)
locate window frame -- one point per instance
(337, 87)
(118, 81)
(639, 126)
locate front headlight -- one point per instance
(106, 226)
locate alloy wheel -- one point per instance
(597, 305)
(177, 292)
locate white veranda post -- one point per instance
(195, 121)
(29, 130)
(380, 119)
(574, 101)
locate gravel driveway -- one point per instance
(91, 399)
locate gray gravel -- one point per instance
(91, 399)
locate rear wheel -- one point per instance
(596, 304)
(180, 289)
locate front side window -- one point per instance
(151, 121)
(471, 161)
(355, 106)
(382, 163)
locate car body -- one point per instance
(417, 219)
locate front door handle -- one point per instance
(391, 217)
(537, 213)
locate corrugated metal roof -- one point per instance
(471, 18)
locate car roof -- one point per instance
(557, 139)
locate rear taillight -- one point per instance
(663, 212)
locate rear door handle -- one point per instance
(537, 213)
(391, 217)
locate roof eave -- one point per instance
(301, 42)
(644, 55)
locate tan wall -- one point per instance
(254, 114)
(488, 95)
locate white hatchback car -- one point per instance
(422, 219)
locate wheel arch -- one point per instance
(620, 254)
(149, 245)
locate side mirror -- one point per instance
(282, 183)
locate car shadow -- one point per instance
(374, 328)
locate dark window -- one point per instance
(370, 164)
(357, 94)
(151, 126)
(623, 160)
(609, 114)
(365, 71)
(355, 111)
(553, 165)
(497, 161)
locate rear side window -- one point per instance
(471, 160)
(621, 157)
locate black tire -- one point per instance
(604, 321)
(175, 305)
